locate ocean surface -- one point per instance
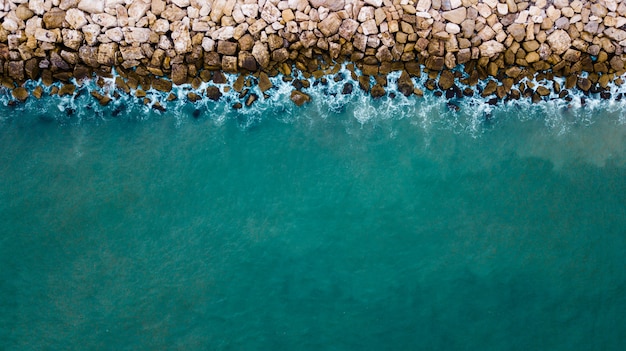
(347, 224)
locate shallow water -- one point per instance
(344, 225)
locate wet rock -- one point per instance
(67, 89)
(193, 97)
(377, 91)
(251, 99)
(162, 85)
(446, 80)
(405, 84)
(299, 98)
(347, 88)
(584, 84)
(213, 93)
(102, 99)
(21, 94)
(264, 82)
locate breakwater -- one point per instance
(155, 44)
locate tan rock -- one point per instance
(39, 7)
(491, 48)
(137, 35)
(161, 26)
(106, 54)
(332, 5)
(181, 36)
(72, 38)
(131, 53)
(104, 20)
(75, 18)
(91, 6)
(330, 25)
(20, 94)
(44, 35)
(115, 34)
(173, 13)
(270, 13)
(54, 19)
(257, 27)
(559, 41)
(456, 16)
(229, 64)
(369, 27)
(139, 8)
(250, 10)
(223, 33)
(261, 54)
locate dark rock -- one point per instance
(219, 77)
(179, 74)
(157, 106)
(364, 83)
(453, 107)
(438, 93)
(237, 105)
(430, 84)
(446, 80)
(213, 93)
(405, 84)
(469, 92)
(196, 113)
(296, 84)
(605, 95)
(347, 88)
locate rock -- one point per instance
(193, 97)
(136, 35)
(213, 93)
(456, 16)
(226, 47)
(261, 54)
(491, 48)
(130, 53)
(89, 55)
(44, 35)
(91, 6)
(369, 27)
(54, 19)
(181, 37)
(66, 4)
(559, 41)
(20, 94)
(332, 5)
(67, 89)
(446, 80)
(38, 6)
(435, 63)
(270, 13)
(162, 85)
(377, 91)
(405, 84)
(264, 82)
(583, 84)
(543, 91)
(75, 18)
(72, 38)
(229, 64)
(223, 33)
(247, 61)
(179, 74)
(138, 9)
(106, 54)
(348, 28)
(299, 98)
(23, 12)
(347, 88)
(330, 25)
(105, 20)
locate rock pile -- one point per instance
(191, 41)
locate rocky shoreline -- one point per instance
(153, 44)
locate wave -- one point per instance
(336, 96)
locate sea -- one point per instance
(351, 223)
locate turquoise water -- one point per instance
(353, 228)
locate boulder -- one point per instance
(299, 98)
(405, 84)
(181, 37)
(247, 61)
(72, 38)
(446, 80)
(179, 73)
(20, 94)
(213, 93)
(44, 35)
(104, 20)
(264, 82)
(348, 28)
(229, 64)
(163, 85)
